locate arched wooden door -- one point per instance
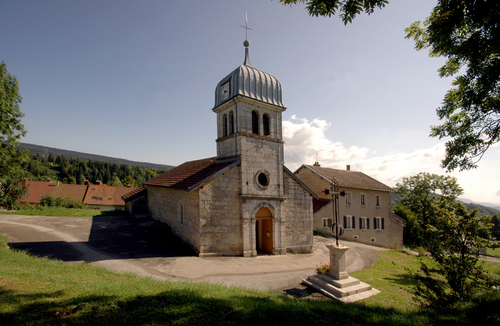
(264, 230)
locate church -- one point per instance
(244, 201)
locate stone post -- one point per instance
(338, 261)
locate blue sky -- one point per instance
(136, 80)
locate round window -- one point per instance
(263, 179)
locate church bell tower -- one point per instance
(248, 103)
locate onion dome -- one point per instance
(249, 82)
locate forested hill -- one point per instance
(45, 151)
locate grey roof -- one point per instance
(348, 178)
(250, 82)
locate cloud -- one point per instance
(306, 143)
(306, 140)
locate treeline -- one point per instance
(76, 171)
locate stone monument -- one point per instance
(338, 284)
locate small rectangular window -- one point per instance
(327, 222)
(363, 199)
(349, 222)
(348, 198)
(378, 223)
(364, 223)
(377, 200)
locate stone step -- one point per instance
(350, 281)
(357, 291)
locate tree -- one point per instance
(348, 8)
(11, 130)
(454, 243)
(467, 33)
(423, 191)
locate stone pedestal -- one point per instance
(338, 284)
(338, 261)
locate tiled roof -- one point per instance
(105, 195)
(320, 203)
(38, 189)
(86, 194)
(189, 174)
(134, 193)
(349, 179)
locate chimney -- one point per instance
(348, 167)
(57, 183)
(316, 164)
(97, 182)
(86, 182)
(48, 179)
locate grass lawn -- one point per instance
(41, 291)
(61, 211)
(493, 252)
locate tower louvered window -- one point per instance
(265, 121)
(231, 123)
(255, 122)
(224, 126)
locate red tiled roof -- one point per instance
(319, 204)
(350, 179)
(134, 193)
(105, 195)
(89, 195)
(38, 189)
(189, 174)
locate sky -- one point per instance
(136, 80)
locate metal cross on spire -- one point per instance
(246, 26)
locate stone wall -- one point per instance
(220, 216)
(297, 217)
(165, 205)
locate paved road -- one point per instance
(146, 247)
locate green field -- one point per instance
(41, 291)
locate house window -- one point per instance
(377, 200)
(96, 198)
(327, 222)
(363, 199)
(348, 198)
(265, 122)
(224, 125)
(181, 213)
(231, 123)
(378, 223)
(364, 223)
(255, 122)
(349, 222)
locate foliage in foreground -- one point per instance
(41, 291)
(11, 130)
(454, 244)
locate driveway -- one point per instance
(146, 247)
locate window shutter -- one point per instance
(329, 222)
(353, 222)
(345, 221)
(360, 222)
(367, 223)
(382, 223)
